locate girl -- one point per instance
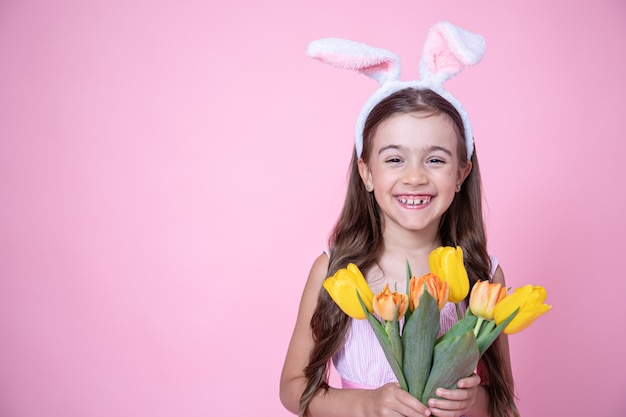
(414, 185)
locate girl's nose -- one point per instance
(415, 175)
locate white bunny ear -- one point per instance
(447, 50)
(379, 64)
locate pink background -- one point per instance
(170, 169)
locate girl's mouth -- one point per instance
(415, 200)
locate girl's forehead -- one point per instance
(416, 128)
(421, 117)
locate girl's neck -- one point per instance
(411, 242)
(402, 246)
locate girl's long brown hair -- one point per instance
(357, 238)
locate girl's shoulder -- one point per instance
(320, 265)
(497, 275)
(318, 272)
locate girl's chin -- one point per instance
(415, 225)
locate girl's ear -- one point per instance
(366, 175)
(463, 172)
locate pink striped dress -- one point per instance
(361, 362)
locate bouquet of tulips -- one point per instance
(420, 360)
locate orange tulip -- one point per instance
(434, 285)
(484, 297)
(386, 303)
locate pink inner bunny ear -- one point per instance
(448, 49)
(441, 58)
(369, 66)
(376, 63)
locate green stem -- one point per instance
(491, 324)
(393, 331)
(479, 323)
(458, 311)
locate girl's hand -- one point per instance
(392, 401)
(456, 402)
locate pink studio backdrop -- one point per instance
(170, 169)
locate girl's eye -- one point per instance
(393, 160)
(436, 161)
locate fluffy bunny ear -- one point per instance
(379, 64)
(447, 50)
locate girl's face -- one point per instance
(414, 170)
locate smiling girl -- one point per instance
(414, 185)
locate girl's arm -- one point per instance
(292, 379)
(334, 402)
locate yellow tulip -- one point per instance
(447, 263)
(484, 297)
(386, 303)
(434, 285)
(342, 288)
(529, 299)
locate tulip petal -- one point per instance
(525, 318)
(484, 297)
(529, 299)
(537, 295)
(447, 263)
(342, 288)
(344, 295)
(511, 302)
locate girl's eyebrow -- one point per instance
(427, 149)
(394, 147)
(440, 148)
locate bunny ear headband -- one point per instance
(447, 50)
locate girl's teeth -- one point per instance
(414, 201)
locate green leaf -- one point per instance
(485, 339)
(418, 339)
(409, 275)
(462, 326)
(454, 358)
(393, 331)
(385, 343)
